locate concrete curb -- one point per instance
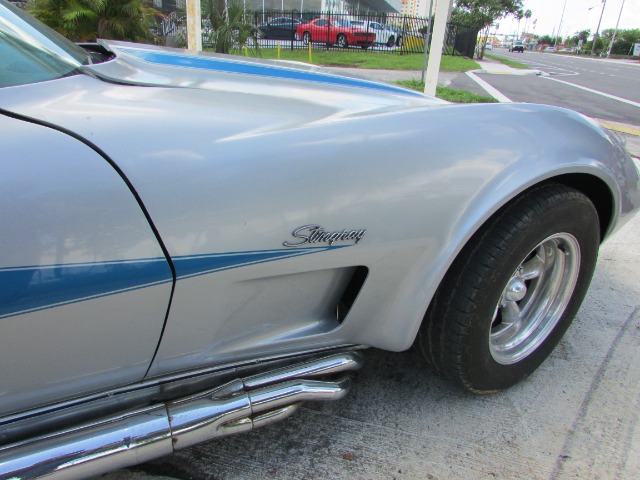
(630, 134)
(620, 127)
(510, 71)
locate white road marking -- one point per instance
(597, 92)
(489, 89)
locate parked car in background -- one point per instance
(550, 49)
(283, 28)
(488, 47)
(339, 32)
(194, 244)
(385, 35)
(517, 46)
(399, 33)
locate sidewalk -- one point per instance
(495, 67)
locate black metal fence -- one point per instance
(294, 30)
(389, 33)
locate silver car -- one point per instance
(194, 244)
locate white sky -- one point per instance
(577, 16)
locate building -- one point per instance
(416, 8)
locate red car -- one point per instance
(340, 32)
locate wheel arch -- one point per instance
(590, 185)
(457, 333)
(597, 191)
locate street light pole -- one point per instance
(615, 32)
(555, 41)
(595, 38)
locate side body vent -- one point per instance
(351, 292)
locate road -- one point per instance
(597, 88)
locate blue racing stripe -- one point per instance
(195, 265)
(33, 288)
(29, 289)
(246, 68)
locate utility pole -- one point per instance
(615, 32)
(595, 38)
(426, 43)
(439, 30)
(194, 25)
(555, 40)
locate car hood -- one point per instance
(160, 66)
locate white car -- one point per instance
(385, 35)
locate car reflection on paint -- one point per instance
(339, 32)
(385, 35)
(282, 28)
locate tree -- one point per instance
(545, 40)
(484, 13)
(229, 25)
(88, 20)
(574, 40)
(600, 46)
(624, 40)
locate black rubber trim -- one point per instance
(133, 191)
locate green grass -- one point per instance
(352, 59)
(509, 63)
(449, 94)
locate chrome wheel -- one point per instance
(512, 292)
(534, 298)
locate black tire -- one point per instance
(399, 42)
(342, 41)
(533, 261)
(306, 38)
(391, 41)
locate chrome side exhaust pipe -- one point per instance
(204, 418)
(123, 440)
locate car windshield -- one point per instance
(30, 52)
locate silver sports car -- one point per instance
(194, 244)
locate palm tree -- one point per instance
(87, 20)
(229, 25)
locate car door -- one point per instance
(85, 283)
(378, 30)
(321, 31)
(280, 28)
